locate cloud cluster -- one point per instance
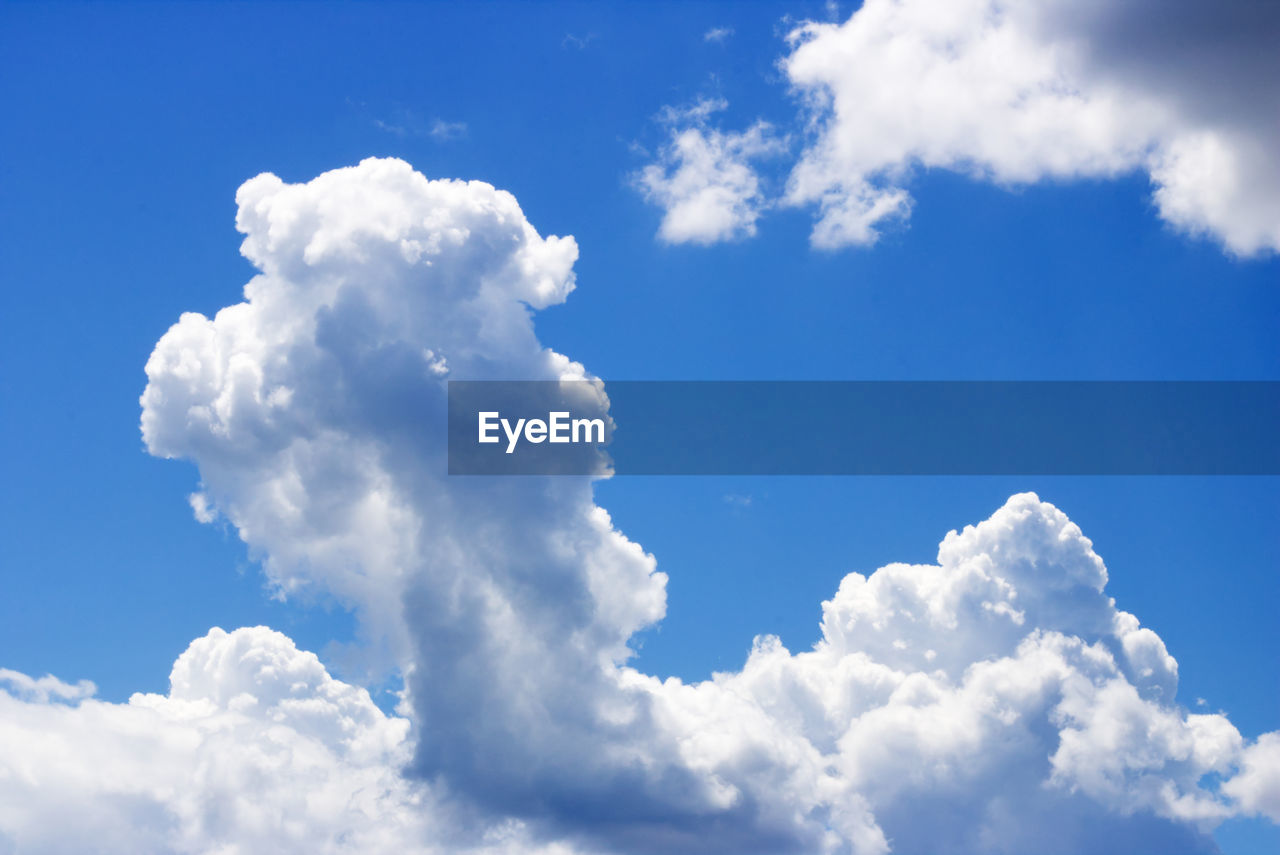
(315, 411)
(1022, 91)
(996, 701)
(704, 179)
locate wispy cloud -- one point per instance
(406, 122)
(578, 42)
(46, 689)
(442, 130)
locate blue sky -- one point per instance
(129, 128)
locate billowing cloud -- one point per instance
(303, 402)
(1019, 91)
(995, 701)
(1257, 787)
(704, 179)
(254, 749)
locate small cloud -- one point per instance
(578, 42)
(202, 508)
(697, 112)
(1201, 702)
(738, 500)
(405, 122)
(704, 179)
(46, 689)
(717, 34)
(390, 127)
(442, 130)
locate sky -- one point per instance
(964, 191)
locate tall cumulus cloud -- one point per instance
(996, 701)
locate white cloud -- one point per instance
(717, 34)
(575, 41)
(994, 701)
(254, 749)
(703, 178)
(1257, 787)
(1042, 741)
(443, 131)
(1001, 690)
(407, 122)
(44, 689)
(1019, 91)
(286, 399)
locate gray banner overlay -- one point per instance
(864, 428)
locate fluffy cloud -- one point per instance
(1257, 787)
(1018, 91)
(254, 749)
(996, 701)
(993, 702)
(305, 403)
(704, 179)
(1009, 91)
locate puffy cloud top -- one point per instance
(255, 748)
(382, 219)
(1022, 90)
